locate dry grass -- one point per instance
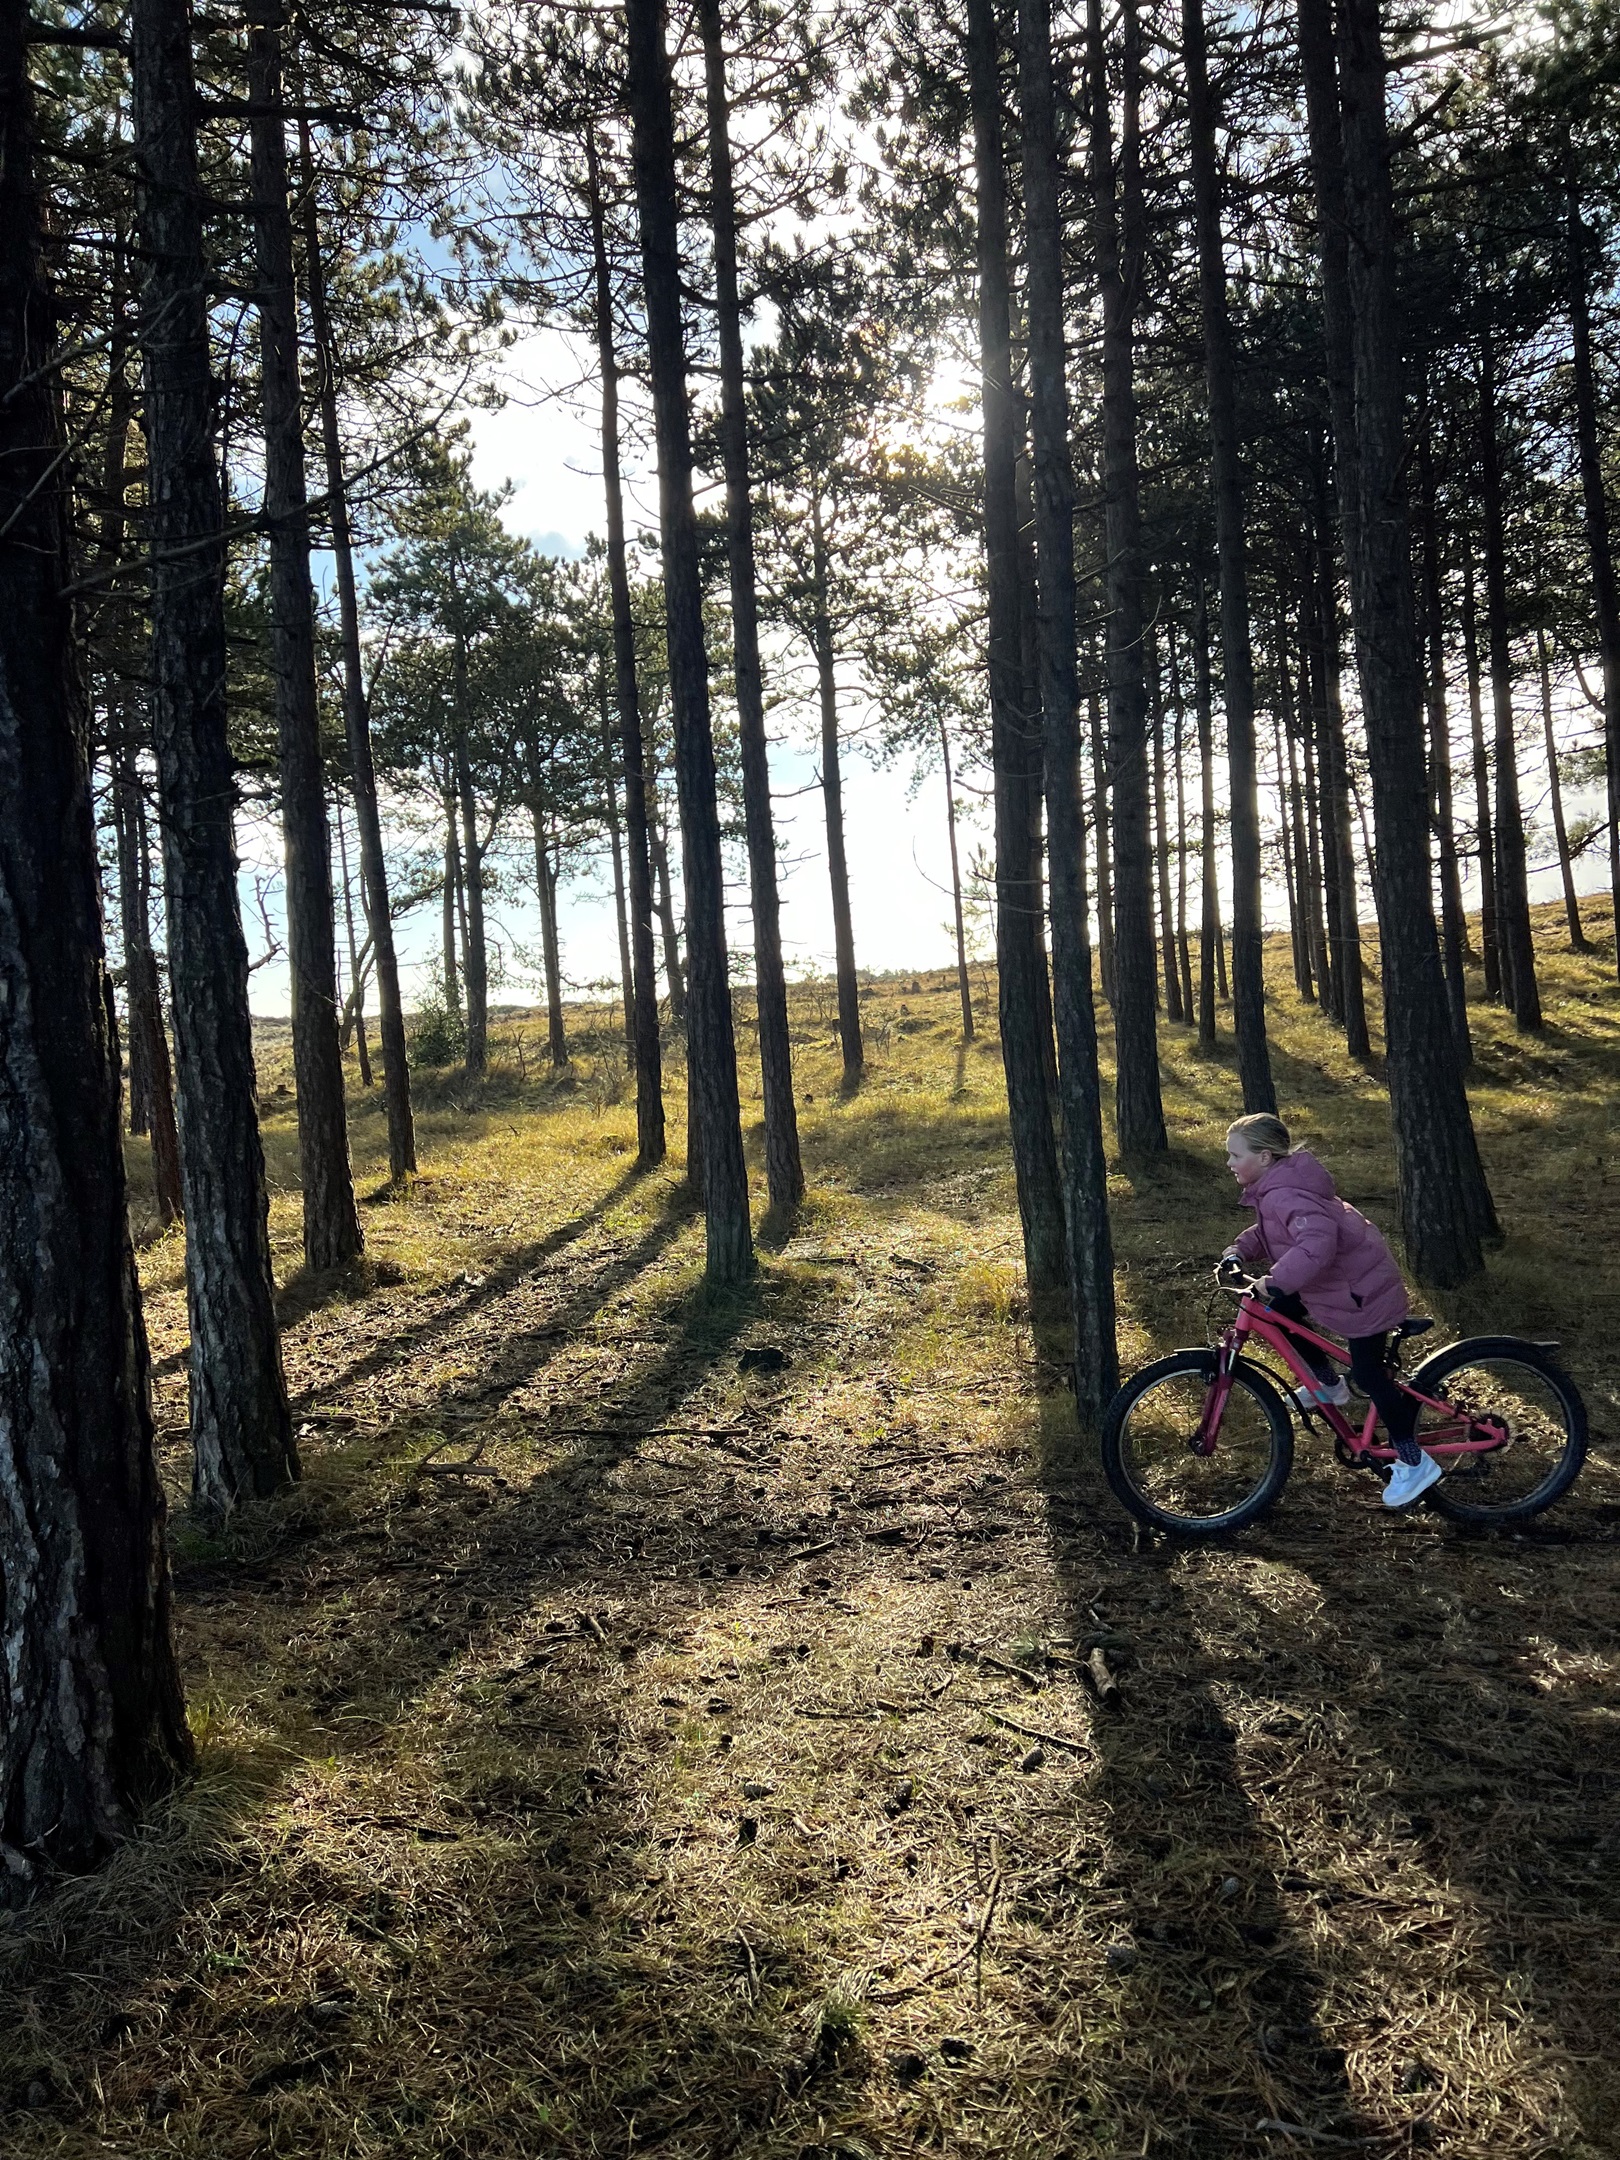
(733, 1788)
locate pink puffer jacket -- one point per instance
(1317, 1245)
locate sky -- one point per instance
(542, 443)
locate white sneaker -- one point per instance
(1408, 1481)
(1336, 1392)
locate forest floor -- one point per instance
(658, 1723)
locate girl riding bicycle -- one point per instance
(1310, 1240)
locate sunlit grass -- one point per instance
(661, 1778)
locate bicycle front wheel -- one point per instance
(1512, 1393)
(1153, 1432)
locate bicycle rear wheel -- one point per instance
(1504, 1385)
(1156, 1472)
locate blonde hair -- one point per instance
(1262, 1134)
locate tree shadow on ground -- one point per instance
(1221, 2016)
(502, 1879)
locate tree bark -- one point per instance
(146, 1012)
(1237, 654)
(832, 796)
(1209, 936)
(1310, 834)
(712, 1062)
(332, 1234)
(962, 983)
(136, 931)
(92, 1721)
(1293, 855)
(1336, 785)
(1117, 234)
(1034, 1146)
(1445, 1202)
(1594, 504)
(1161, 850)
(240, 1426)
(1189, 1007)
(784, 1171)
(610, 810)
(355, 1008)
(1578, 940)
(1085, 1171)
(1484, 835)
(452, 880)
(545, 878)
(667, 924)
(1098, 732)
(646, 1049)
(356, 715)
(475, 952)
(1453, 922)
(1518, 951)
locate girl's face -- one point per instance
(1244, 1164)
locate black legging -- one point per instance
(1369, 1369)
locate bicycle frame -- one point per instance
(1452, 1438)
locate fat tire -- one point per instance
(1206, 1363)
(1433, 1371)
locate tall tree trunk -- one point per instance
(1453, 922)
(1161, 850)
(545, 879)
(1518, 949)
(1310, 838)
(475, 952)
(121, 741)
(784, 1171)
(666, 922)
(332, 1233)
(1293, 855)
(1313, 706)
(962, 983)
(1084, 1169)
(146, 1009)
(452, 880)
(1117, 235)
(1098, 732)
(1600, 552)
(646, 1049)
(832, 796)
(1336, 784)
(92, 1722)
(1209, 935)
(1237, 655)
(1189, 1007)
(1295, 815)
(151, 1082)
(1445, 1202)
(240, 1426)
(1484, 835)
(610, 810)
(712, 1061)
(1018, 956)
(356, 715)
(1578, 940)
(357, 984)
(136, 931)
(1027, 772)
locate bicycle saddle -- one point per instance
(1415, 1325)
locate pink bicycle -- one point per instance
(1202, 1442)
